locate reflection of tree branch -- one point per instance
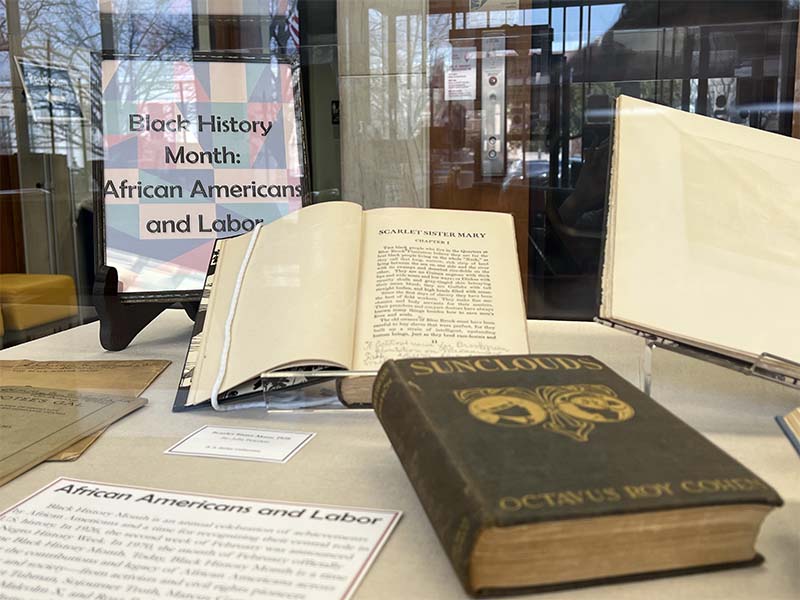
(31, 17)
(67, 31)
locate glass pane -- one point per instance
(395, 108)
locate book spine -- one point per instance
(445, 492)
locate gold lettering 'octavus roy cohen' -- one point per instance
(496, 364)
(646, 491)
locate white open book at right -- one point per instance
(703, 234)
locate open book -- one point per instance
(332, 287)
(703, 242)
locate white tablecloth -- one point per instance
(351, 462)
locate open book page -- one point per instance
(436, 283)
(704, 232)
(297, 300)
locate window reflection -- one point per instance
(731, 61)
(380, 130)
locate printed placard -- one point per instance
(113, 541)
(460, 79)
(242, 443)
(194, 151)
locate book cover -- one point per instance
(503, 441)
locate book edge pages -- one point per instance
(790, 426)
(355, 391)
(607, 274)
(753, 557)
(520, 291)
(184, 391)
(208, 317)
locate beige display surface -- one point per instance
(704, 232)
(351, 463)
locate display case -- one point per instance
(360, 253)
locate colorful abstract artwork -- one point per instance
(193, 151)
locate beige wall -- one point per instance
(383, 88)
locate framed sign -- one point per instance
(194, 150)
(49, 91)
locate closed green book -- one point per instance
(550, 470)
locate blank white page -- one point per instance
(703, 237)
(297, 301)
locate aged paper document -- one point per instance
(123, 377)
(35, 423)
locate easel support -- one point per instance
(766, 365)
(646, 370)
(120, 322)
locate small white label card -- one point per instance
(242, 443)
(460, 79)
(83, 539)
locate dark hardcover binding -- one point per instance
(513, 440)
